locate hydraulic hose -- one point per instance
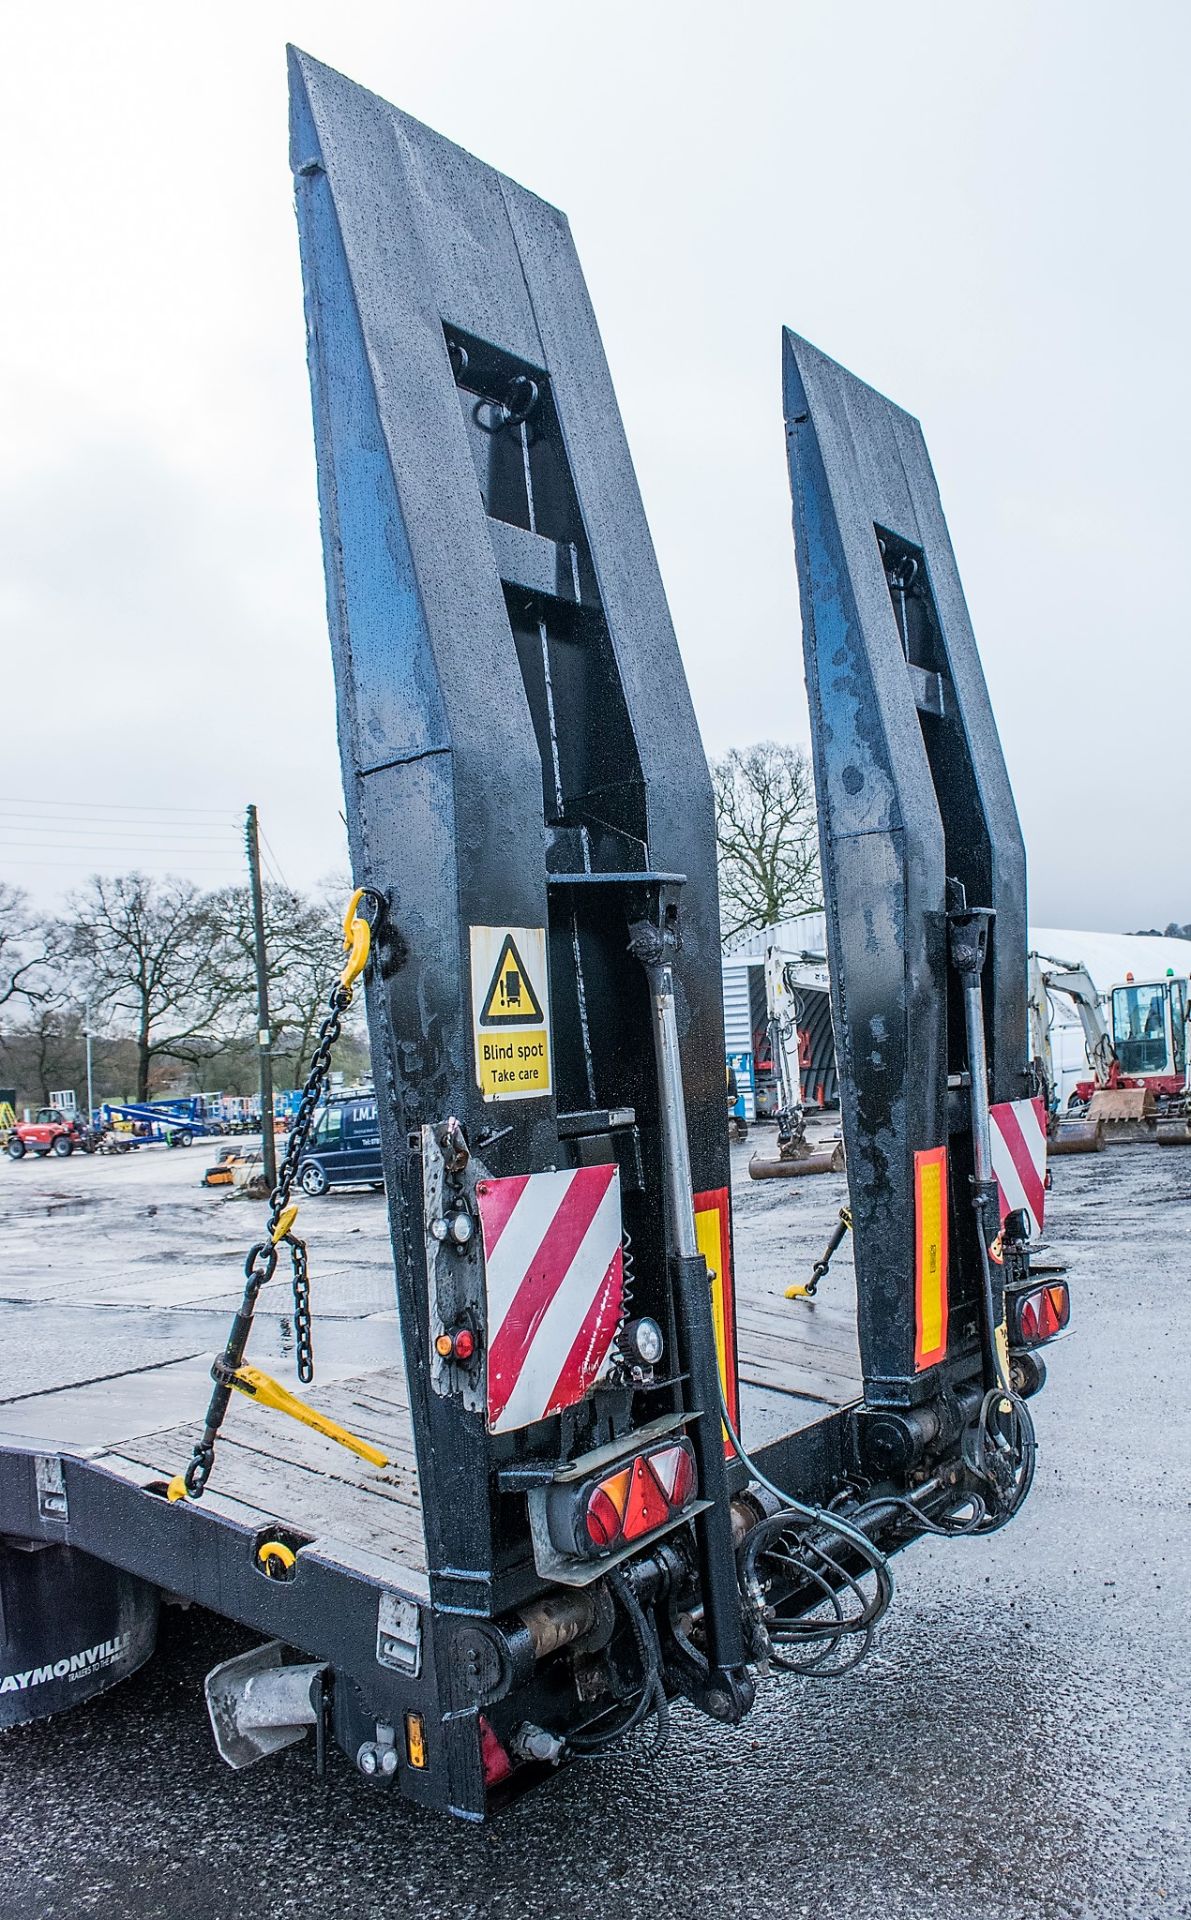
(822, 1516)
(653, 1690)
(873, 1607)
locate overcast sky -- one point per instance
(981, 209)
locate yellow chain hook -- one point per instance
(285, 1221)
(357, 940)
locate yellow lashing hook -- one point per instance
(268, 1392)
(357, 941)
(276, 1559)
(285, 1221)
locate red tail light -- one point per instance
(605, 1508)
(678, 1465)
(493, 1758)
(625, 1505)
(1038, 1315)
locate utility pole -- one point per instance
(90, 1082)
(264, 1033)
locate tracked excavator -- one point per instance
(1138, 1089)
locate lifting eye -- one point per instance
(275, 1560)
(520, 400)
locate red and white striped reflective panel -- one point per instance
(1019, 1157)
(555, 1288)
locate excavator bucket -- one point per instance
(1121, 1103)
(1075, 1136)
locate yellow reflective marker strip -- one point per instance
(930, 1265)
(415, 1740)
(268, 1392)
(711, 1237)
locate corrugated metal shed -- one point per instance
(739, 994)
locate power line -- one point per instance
(95, 866)
(55, 843)
(151, 850)
(85, 832)
(115, 823)
(114, 806)
(104, 823)
(274, 866)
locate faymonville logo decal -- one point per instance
(71, 1666)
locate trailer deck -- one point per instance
(137, 1292)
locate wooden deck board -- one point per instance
(808, 1350)
(363, 1513)
(270, 1467)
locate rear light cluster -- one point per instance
(1038, 1315)
(459, 1344)
(632, 1500)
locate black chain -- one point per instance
(303, 1328)
(261, 1261)
(299, 1139)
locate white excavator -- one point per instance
(1139, 1087)
(787, 983)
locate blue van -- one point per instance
(344, 1148)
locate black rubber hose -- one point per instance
(653, 1691)
(820, 1516)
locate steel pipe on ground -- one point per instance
(817, 1160)
(1076, 1136)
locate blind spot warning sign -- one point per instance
(510, 1018)
(511, 1000)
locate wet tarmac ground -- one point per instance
(1017, 1746)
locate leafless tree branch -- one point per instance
(767, 836)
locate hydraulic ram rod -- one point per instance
(728, 1692)
(968, 930)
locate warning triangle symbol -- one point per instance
(511, 1000)
(648, 1506)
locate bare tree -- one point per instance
(22, 948)
(153, 950)
(767, 835)
(47, 1051)
(303, 946)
